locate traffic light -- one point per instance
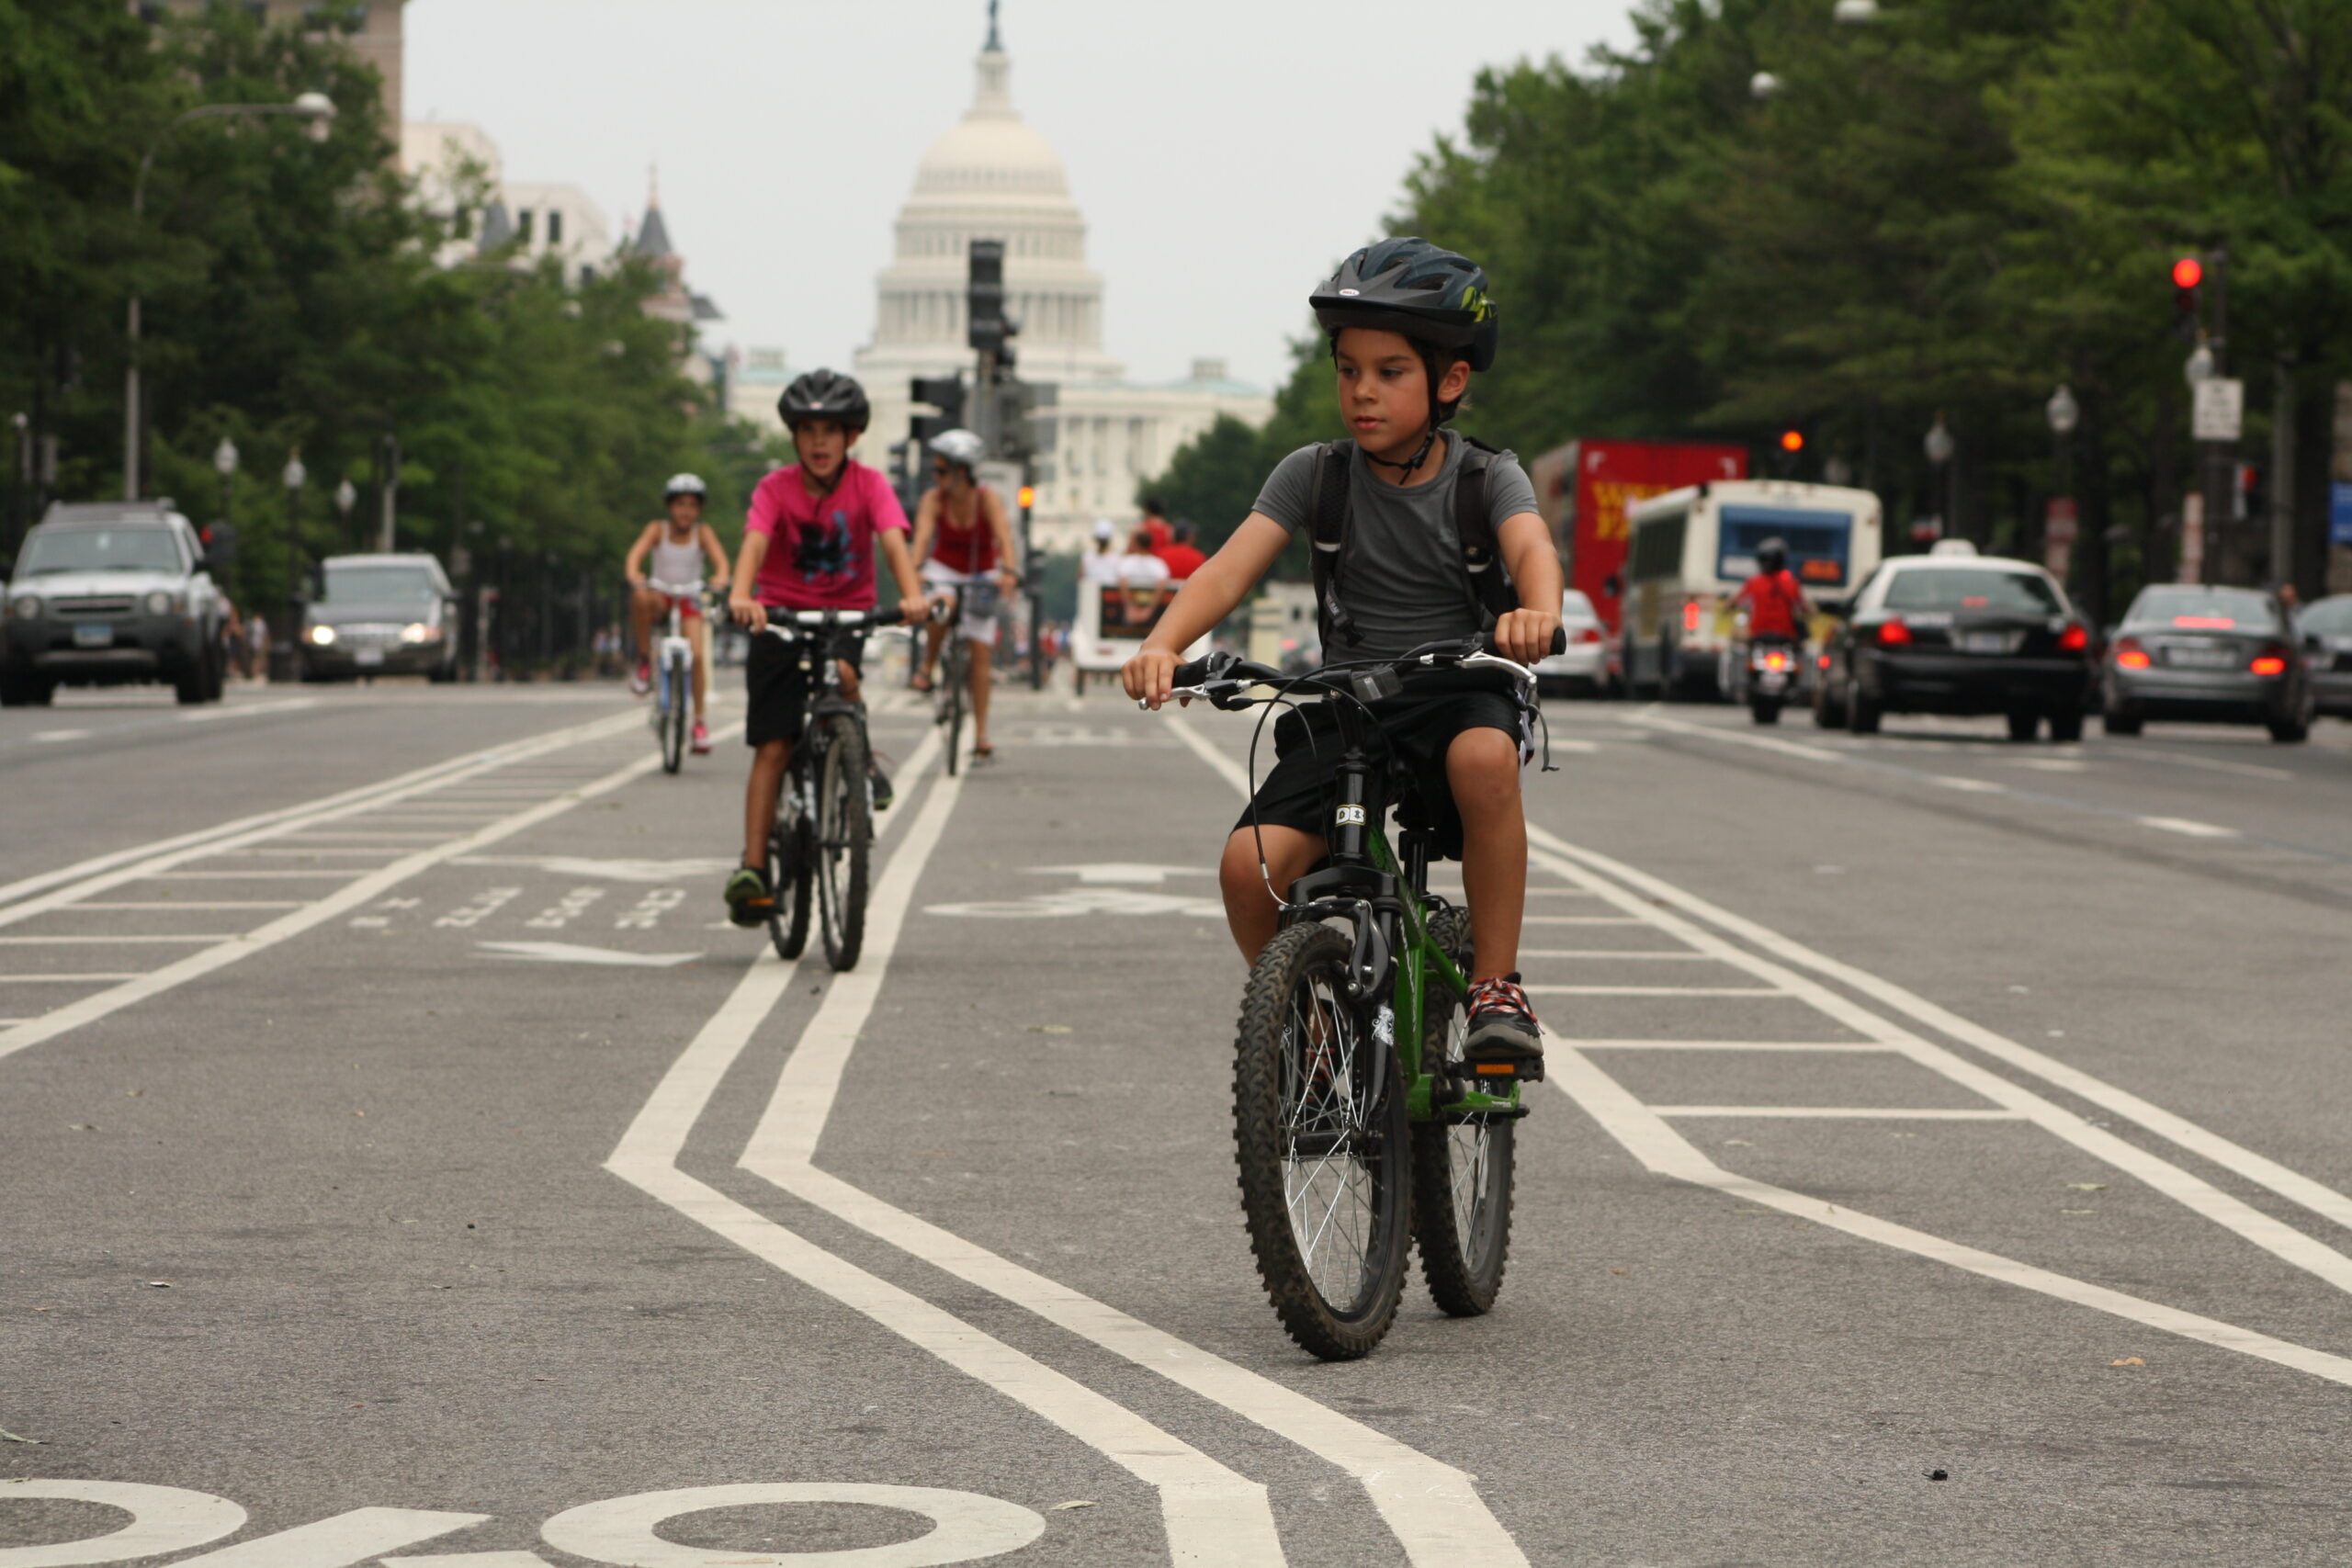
(1793, 441)
(2187, 274)
(944, 394)
(988, 327)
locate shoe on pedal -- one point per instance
(878, 783)
(1504, 1041)
(702, 738)
(750, 901)
(642, 682)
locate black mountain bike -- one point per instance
(823, 837)
(1359, 1126)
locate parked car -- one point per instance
(112, 593)
(1586, 669)
(2326, 630)
(2208, 655)
(1959, 633)
(388, 615)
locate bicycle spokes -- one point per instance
(1331, 1188)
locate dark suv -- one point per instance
(1958, 633)
(107, 593)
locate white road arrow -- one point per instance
(1120, 871)
(573, 952)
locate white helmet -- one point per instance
(960, 447)
(1102, 529)
(683, 484)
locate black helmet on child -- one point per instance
(825, 394)
(1772, 554)
(1410, 286)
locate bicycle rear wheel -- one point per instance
(844, 838)
(1320, 1134)
(671, 719)
(788, 874)
(1464, 1170)
(954, 674)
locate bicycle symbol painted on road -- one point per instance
(1114, 887)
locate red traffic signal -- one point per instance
(1793, 441)
(2187, 273)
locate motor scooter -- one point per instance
(1772, 678)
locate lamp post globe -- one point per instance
(224, 458)
(1940, 444)
(2064, 411)
(2199, 366)
(295, 475)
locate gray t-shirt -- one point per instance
(1402, 580)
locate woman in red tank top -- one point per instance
(963, 537)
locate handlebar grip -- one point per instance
(1192, 674)
(1559, 643)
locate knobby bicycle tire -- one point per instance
(788, 875)
(844, 840)
(1322, 1142)
(1463, 1171)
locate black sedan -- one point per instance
(2210, 655)
(2326, 628)
(1956, 633)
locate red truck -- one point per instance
(1583, 489)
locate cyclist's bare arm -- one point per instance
(1000, 522)
(902, 571)
(634, 567)
(926, 523)
(748, 560)
(717, 554)
(1524, 635)
(1208, 596)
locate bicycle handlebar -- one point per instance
(677, 590)
(788, 623)
(1223, 678)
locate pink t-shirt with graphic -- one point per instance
(820, 551)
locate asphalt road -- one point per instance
(1944, 1161)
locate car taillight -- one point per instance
(2073, 639)
(2130, 655)
(1589, 633)
(1690, 615)
(2269, 662)
(1893, 633)
(1823, 661)
(1776, 660)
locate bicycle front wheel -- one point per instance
(1463, 1168)
(844, 838)
(1320, 1133)
(672, 718)
(955, 675)
(788, 874)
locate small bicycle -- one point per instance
(954, 691)
(824, 835)
(673, 674)
(1359, 1126)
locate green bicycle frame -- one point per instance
(1420, 964)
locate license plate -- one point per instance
(1984, 642)
(94, 637)
(367, 656)
(2200, 657)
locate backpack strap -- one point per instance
(1474, 525)
(1328, 516)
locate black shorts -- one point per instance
(777, 682)
(1417, 728)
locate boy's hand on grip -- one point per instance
(1523, 637)
(1149, 676)
(747, 612)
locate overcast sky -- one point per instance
(1225, 152)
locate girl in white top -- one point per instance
(678, 546)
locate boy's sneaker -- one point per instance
(750, 901)
(642, 682)
(702, 738)
(1504, 1036)
(878, 786)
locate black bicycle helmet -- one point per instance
(1410, 286)
(1772, 554)
(826, 394)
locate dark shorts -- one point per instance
(777, 686)
(1417, 728)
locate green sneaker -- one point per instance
(750, 901)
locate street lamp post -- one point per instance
(2062, 522)
(283, 646)
(345, 498)
(224, 463)
(315, 108)
(1940, 448)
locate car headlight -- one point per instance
(323, 635)
(160, 602)
(25, 606)
(417, 631)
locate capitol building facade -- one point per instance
(993, 177)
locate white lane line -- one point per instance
(1971, 786)
(337, 1542)
(1655, 991)
(340, 901)
(111, 940)
(1661, 1149)
(257, 875)
(1212, 1515)
(2257, 1169)
(1639, 957)
(1838, 1112)
(2187, 828)
(51, 737)
(60, 980)
(2244, 770)
(1579, 920)
(1853, 1046)
(361, 796)
(178, 904)
(2190, 1190)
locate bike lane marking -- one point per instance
(1214, 1515)
(367, 886)
(1433, 1509)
